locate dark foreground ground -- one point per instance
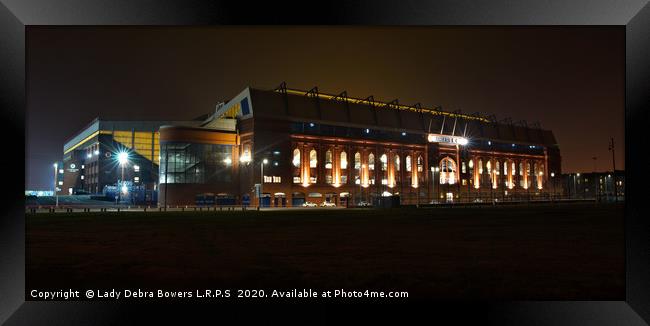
(562, 252)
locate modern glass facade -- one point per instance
(195, 163)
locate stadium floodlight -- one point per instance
(123, 157)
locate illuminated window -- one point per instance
(505, 168)
(344, 160)
(480, 166)
(488, 165)
(82, 177)
(357, 161)
(408, 163)
(328, 159)
(296, 180)
(61, 171)
(296, 158)
(136, 168)
(136, 179)
(60, 183)
(521, 168)
(471, 164)
(397, 167)
(447, 171)
(246, 154)
(420, 163)
(371, 161)
(463, 168)
(313, 159)
(384, 163)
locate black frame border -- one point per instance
(634, 15)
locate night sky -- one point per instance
(570, 79)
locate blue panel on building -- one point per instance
(245, 110)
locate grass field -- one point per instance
(562, 252)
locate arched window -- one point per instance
(344, 160)
(463, 169)
(296, 158)
(408, 163)
(328, 159)
(384, 162)
(480, 166)
(420, 163)
(371, 161)
(397, 167)
(488, 165)
(447, 171)
(497, 167)
(521, 168)
(297, 178)
(357, 168)
(505, 168)
(527, 168)
(313, 159)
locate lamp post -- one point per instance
(611, 148)
(123, 159)
(264, 161)
(433, 173)
(575, 188)
(363, 167)
(552, 185)
(56, 196)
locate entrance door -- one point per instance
(450, 197)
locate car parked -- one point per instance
(309, 204)
(327, 204)
(364, 204)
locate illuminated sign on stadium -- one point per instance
(447, 139)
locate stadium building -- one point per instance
(284, 147)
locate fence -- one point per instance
(122, 208)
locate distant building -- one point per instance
(594, 185)
(90, 156)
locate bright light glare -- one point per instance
(265, 161)
(55, 165)
(123, 157)
(227, 160)
(462, 141)
(125, 189)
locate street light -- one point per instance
(56, 170)
(433, 173)
(122, 159)
(264, 161)
(553, 184)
